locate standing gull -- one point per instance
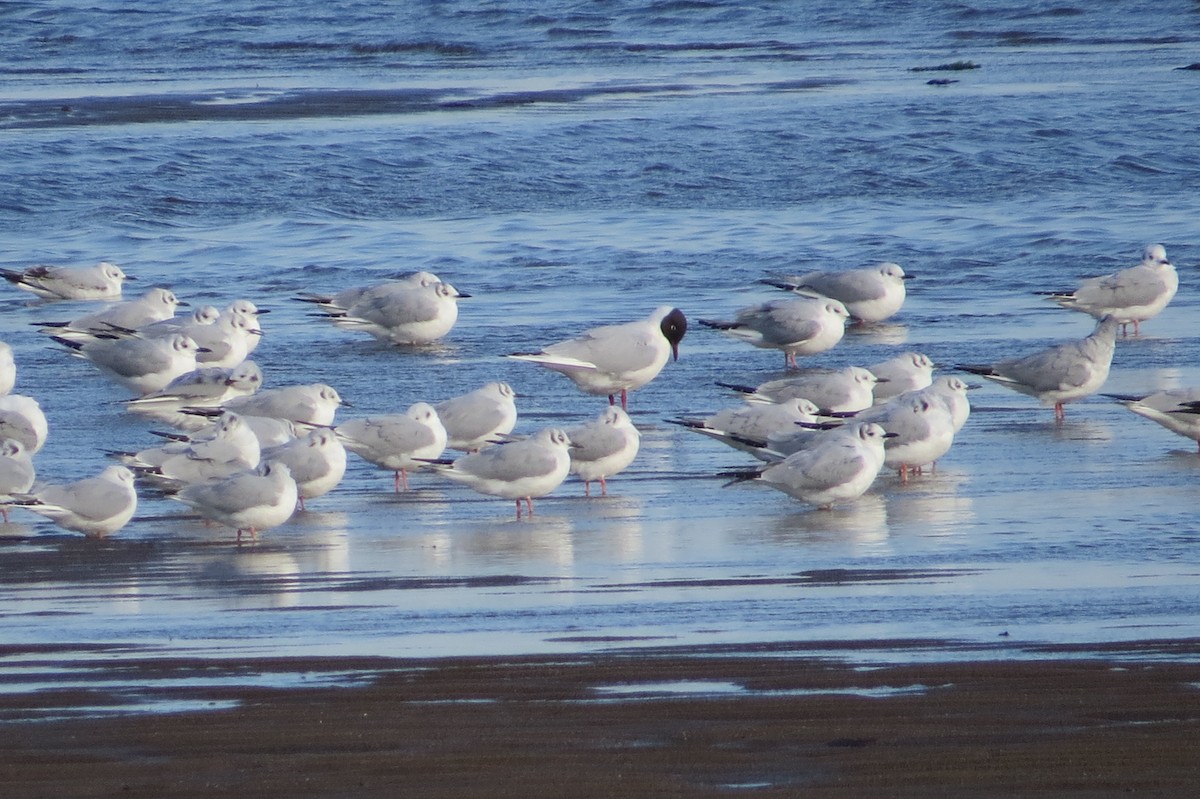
(140, 365)
(1063, 373)
(317, 462)
(96, 506)
(525, 469)
(397, 442)
(314, 403)
(845, 390)
(205, 387)
(800, 326)
(16, 472)
(872, 294)
(100, 282)
(249, 502)
(604, 447)
(840, 467)
(347, 298)
(616, 359)
(748, 426)
(474, 419)
(1131, 295)
(155, 305)
(908, 371)
(8, 368)
(410, 316)
(1174, 409)
(22, 419)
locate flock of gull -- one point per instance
(248, 457)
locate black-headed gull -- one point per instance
(204, 387)
(907, 371)
(410, 316)
(1174, 409)
(8, 368)
(317, 461)
(746, 427)
(16, 472)
(475, 419)
(139, 364)
(100, 282)
(839, 467)
(872, 294)
(231, 446)
(347, 298)
(616, 359)
(603, 447)
(922, 431)
(227, 341)
(249, 502)
(155, 305)
(95, 506)
(22, 419)
(518, 470)
(1131, 295)
(397, 442)
(1063, 373)
(799, 326)
(313, 403)
(851, 388)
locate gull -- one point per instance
(1174, 409)
(410, 316)
(347, 298)
(16, 472)
(249, 501)
(1131, 295)
(907, 371)
(602, 448)
(525, 469)
(224, 342)
(1063, 373)
(312, 404)
(616, 359)
(749, 426)
(22, 419)
(317, 462)
(398, 442)
(952, 392)
(922, 431)
(230, 447)
(845, 390)
(139, 364)
(204, 387)
(155, 305)
(8, 368)
(473, 420)
(841, 467)
(100, 282)
(253, 313)
(204, 315)
(96, 506)
(269, 431)
(800, 326)
(871, 294)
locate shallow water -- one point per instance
(569, 168)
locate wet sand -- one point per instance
(671, 722)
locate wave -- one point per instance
(265, 105)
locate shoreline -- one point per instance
(1094, 720)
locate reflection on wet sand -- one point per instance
(863, 523)
(932, 504)
(884, 333)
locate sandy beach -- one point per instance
(671, 722)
